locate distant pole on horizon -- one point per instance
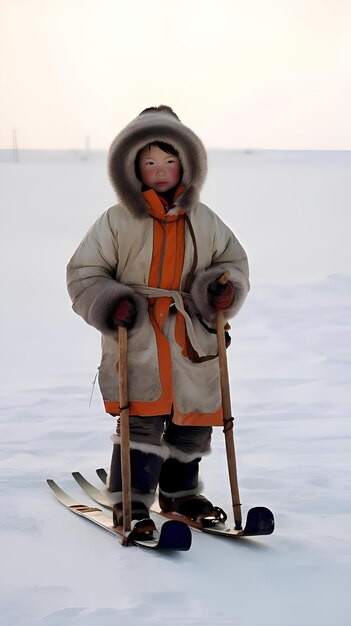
(87, 146)
(15, 146)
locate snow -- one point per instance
(290, 380)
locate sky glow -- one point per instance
(242, 73)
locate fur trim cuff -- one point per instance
(104, 304)
(199, 291)
(161, 451)
(185, 457)
(115, 497)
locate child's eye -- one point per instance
(149, 162)
(171, 161)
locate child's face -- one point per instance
(158, 169)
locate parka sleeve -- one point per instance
(228, 255)
(91, 281)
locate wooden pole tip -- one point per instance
(224, 278)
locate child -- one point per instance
(151, 264)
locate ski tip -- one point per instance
(260, 521)
(175, 535)
(102, 474)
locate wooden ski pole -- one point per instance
(124, 427)
(228, 420)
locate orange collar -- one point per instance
(157, 204)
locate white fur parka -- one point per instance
(113, 262)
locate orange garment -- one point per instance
(165, 273)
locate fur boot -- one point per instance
(179, 489)
(145, 469)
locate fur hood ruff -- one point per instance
(147, 128)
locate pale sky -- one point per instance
(241, 73)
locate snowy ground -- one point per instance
(290, 376)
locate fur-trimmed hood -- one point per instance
(148, 127)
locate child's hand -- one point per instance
(125, 314)
(221, 296)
